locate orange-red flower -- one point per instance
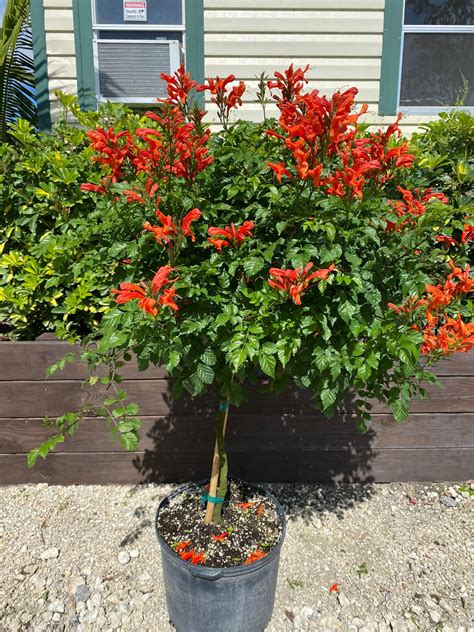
(221, 537)
(245, 506)
(467, 233)
(225, 102)
(230, 236)
(89, 186)
(150, 296)
(334, 588)
(280, 170)
(447, 241)
(255, 556)
(168, 231)
(295, 282)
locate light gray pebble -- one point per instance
(82, 593)
(50, 554)
(57, 606)
(447, 501)
(123, 557)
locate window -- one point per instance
(134, 42)
(428, 56)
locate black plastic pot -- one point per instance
(236, 599)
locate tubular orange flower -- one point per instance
(169, 231)
(89, 186)
(468, 233)
(295, 282)
(447, 241)
(230, 236)
(149, 296)
(280, 170)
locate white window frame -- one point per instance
(424, 28)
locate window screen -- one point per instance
(438, 54)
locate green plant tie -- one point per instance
(223, 406)
(212, 499)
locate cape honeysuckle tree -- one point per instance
(339, 275)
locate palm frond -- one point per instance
(17, 78)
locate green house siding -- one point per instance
(41, 64)
(82, 12)
(391, 50)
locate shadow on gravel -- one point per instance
(271, 438)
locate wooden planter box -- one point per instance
(271, 438)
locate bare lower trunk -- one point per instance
(218, 482)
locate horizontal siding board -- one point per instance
(359, 5)
(292, 45)
(58, 20)
(65, 85)
(53, 398)
(60, 44)
(292, 466)
(340, 69)
(57, 4)
(62, 67)
(268, 432)
(248, 21)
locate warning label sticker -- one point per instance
(134, 11)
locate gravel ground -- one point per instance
(86, 558)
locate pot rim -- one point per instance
(226, 571)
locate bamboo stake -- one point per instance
(215, 471)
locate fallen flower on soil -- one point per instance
(334, 588)
(255, 556)
(245, 506)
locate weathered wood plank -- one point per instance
(43, 353)
(53, 398)
(265, 432)
(281, 21)
(291, 466)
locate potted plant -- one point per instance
(292, 252)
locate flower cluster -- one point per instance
(152, 295)
(442, 332)
(466, 236)
(295, 282)
(113, 151)
(231, 236)
(224, 101)
(169, 231)
(412, 206)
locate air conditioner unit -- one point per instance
(128, 71)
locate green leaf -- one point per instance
(208, 357)
(205, 373)
(252, 265)
(328, 397)
(267, 364)
(347, 311)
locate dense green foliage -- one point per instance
(59, 253)
(62, 253)
(444, 150)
